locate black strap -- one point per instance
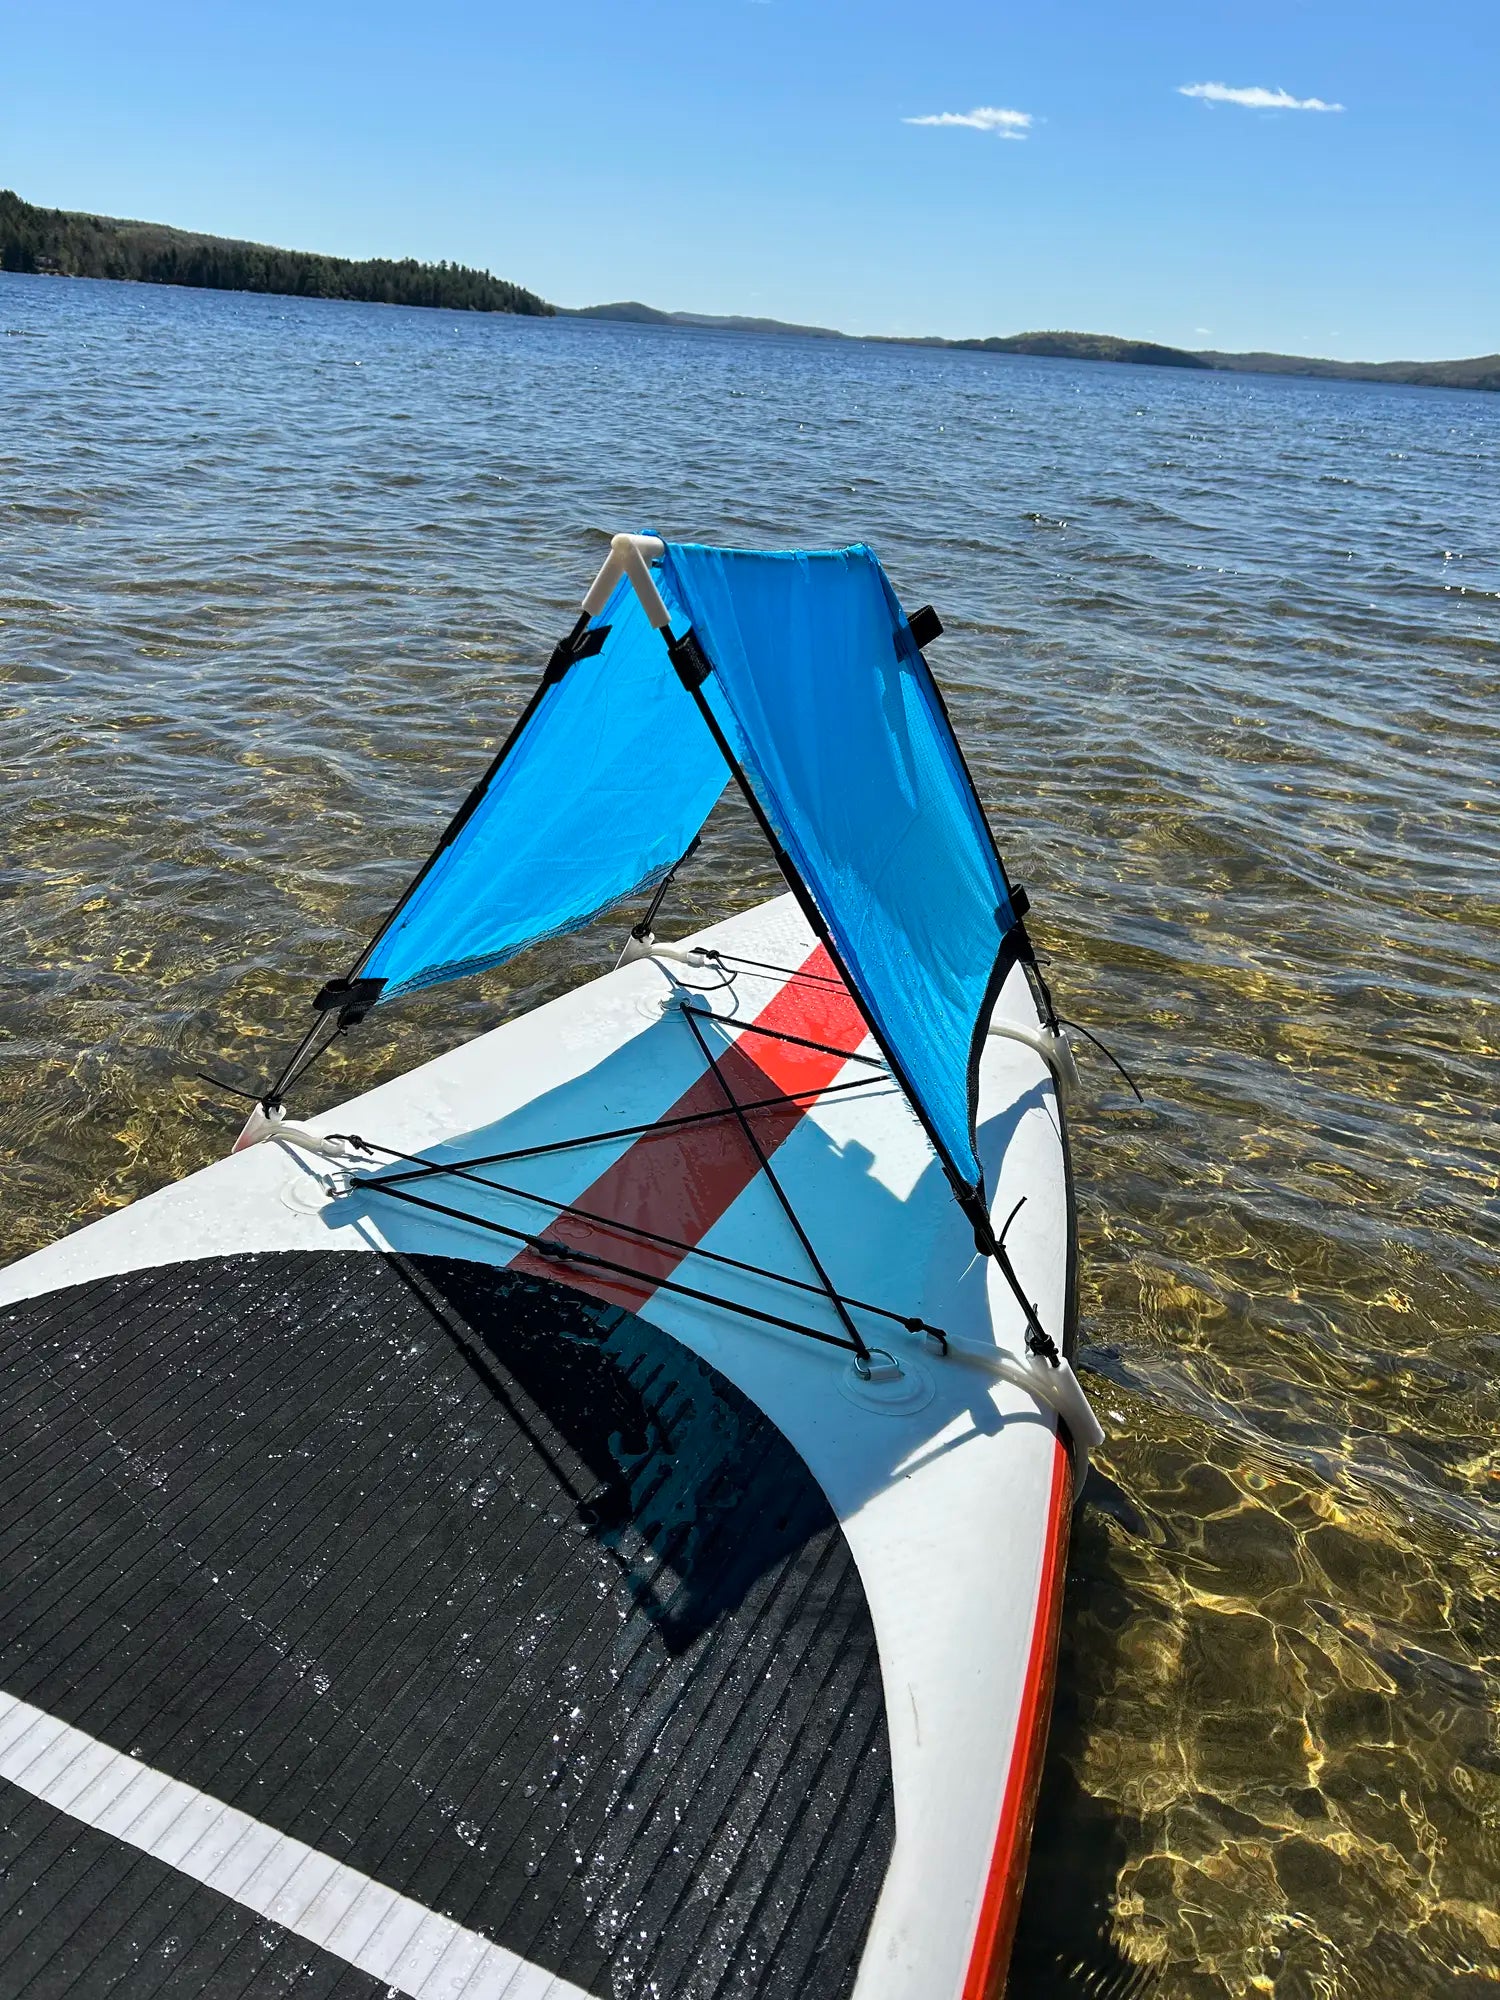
(352, 998)
(924, 626)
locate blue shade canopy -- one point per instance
(598, 792)
(829, 709)
(824, 703)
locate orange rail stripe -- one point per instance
(680, 1181)
(990, 1959)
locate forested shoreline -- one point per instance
(63, 243)
(66, 243)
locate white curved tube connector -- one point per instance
(630, 555)
(647, 947)
(637, 552)
(1055, 1050)
(1058, 1388)
(261, 1125)
(314, 1142)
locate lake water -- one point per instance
(1225, 652)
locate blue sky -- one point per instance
(756, 155)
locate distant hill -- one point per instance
(633, 310)
(60, 242)
(1060, 346)
(1483, 372)
(1085, 347)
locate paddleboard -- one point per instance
(512, 1585)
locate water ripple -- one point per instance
(1226, 653)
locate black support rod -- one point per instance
(693, 667)
(910, 1321)
(576, 645)
(426, 1169)
(564, 1253)
(564, 653)
(861, 1352)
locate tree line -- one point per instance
(60, 242)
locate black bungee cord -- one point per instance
(861, 1351)
(552, 1251)
(621, 1226)
(1106, 1051)
(830, 980)
(300, 1062)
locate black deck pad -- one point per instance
(493, 1593)
(88, 1916)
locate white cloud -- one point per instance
(983, 118)
(1255, 97)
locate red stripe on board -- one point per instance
(680, 1182)
(989, 1960)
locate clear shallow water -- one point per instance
(1225, 652)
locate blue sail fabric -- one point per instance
(826, 705)
(598, 792)
(829, 708)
